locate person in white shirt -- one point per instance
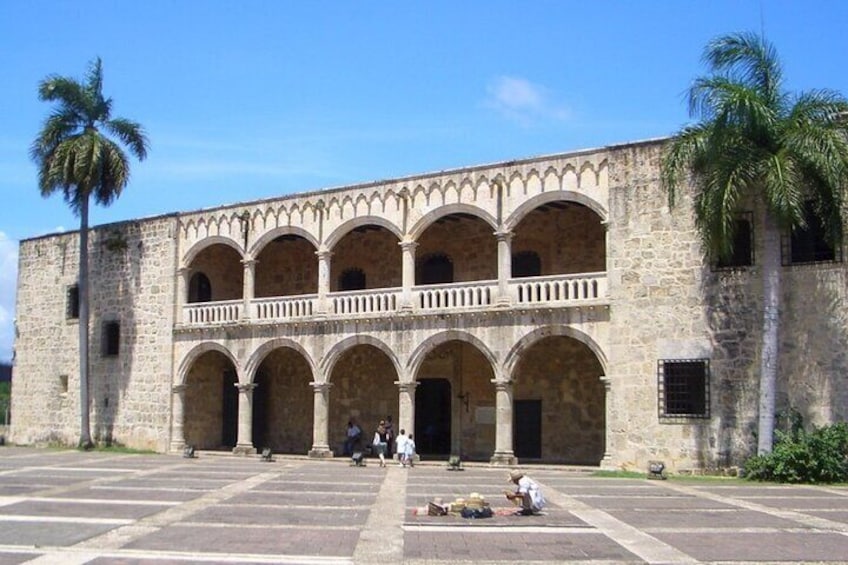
(400, 448)
(409, 451)
(527, 493)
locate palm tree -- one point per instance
(75, 157)
(756, 141)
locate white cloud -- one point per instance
(8, 283)
(524, 102)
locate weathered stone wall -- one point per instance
(582, 212)
(132, 282)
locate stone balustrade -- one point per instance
(559, 290)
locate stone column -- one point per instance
(183, 278)
(324, 260)
(504, 266)
(178, 418)
(244, 445)
(504, 454)
(408, 264)
(406, 406)
(248, 288)
(606, 461)
(320, 421)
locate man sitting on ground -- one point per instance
(528, 493)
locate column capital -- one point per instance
(324, 253)
(179, 389)
(320, 387)
(250, 262)
(502, 386)
(245, 387)
(606, 381)
(406, 386)
(184, 271)
(504, 235)
(408, 245)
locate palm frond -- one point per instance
(131, 134)
(750, 59)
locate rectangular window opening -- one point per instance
(111, 338)
(72, 303)
(743, 244)
(809, 245)
(684, 389)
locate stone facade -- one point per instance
(534, 310)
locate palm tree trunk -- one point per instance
(85, 426)
(771, 325)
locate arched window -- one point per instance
(352, 279)
(434, 269)
(199, 288)
(526, 264)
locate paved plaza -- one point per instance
(69, 507)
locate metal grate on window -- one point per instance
(684, 389)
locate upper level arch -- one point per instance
(207, 242)
(547, 197)
(428, 219)
(344, 229)
(280, 231)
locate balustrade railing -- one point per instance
(212, 312)
(455, 295)
(560, 290)
(365, 301)
(284, 307)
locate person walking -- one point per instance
(380, 442)
(400, 448)
(409, 451)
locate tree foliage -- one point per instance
(79, 152)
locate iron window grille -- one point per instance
(684, 389)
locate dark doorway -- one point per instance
(261, 394)
(528, 429)
(434, 269)
(229, 410)
(433, 417)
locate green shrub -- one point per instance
(817, 456)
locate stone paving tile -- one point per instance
(17, 490)
(701, 519)
(297, 541)
(546, 519)
(189, 481)
(653, 503)
(80, 510)
(798, 503)
(48, 533)
(111, 493)
(157, 560)
(835, 515)
(758, 546)
(304, 499)
(499, 546)
(758, 490)
(278, 516)
(15, 558)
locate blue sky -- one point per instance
(252, 99)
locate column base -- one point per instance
(503, 302)
(606, 463)
(244, 450)
(504, 458)
(320, 452)
(177, 446)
